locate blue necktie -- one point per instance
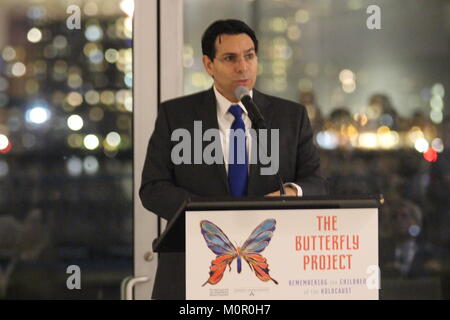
(238, 160)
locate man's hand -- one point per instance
(290, 192)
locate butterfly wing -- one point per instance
(259, 265)
(219, 243)
(260, 237)
(258, 240)
(217, 268)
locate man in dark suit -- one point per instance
(230, 57)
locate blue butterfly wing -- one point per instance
(216, 239)
(260, 237)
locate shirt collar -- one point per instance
(223, 104)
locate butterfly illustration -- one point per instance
(226, 252)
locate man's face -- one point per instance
(234, 65)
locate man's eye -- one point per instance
(250, 56)
(229, 58)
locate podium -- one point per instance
(277, 248)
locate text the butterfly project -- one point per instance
(226, 252)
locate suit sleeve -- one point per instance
(158, 191)
(308, 175)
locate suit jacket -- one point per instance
(165, 186)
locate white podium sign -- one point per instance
(301, 254)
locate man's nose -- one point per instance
(241, 65)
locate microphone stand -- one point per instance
(257, 118)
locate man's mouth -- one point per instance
(241, 82)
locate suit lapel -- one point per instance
(207, 112)
(264, 104)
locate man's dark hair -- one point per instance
(224, 27)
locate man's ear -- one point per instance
(207, 63)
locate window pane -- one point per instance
(65, 148)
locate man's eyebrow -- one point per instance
(235, 54)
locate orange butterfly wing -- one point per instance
(259, 265)
(217, 268)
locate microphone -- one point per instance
(243, 94)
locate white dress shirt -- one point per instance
(225, 120)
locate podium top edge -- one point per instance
(223, 203)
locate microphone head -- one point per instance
(241, 92)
